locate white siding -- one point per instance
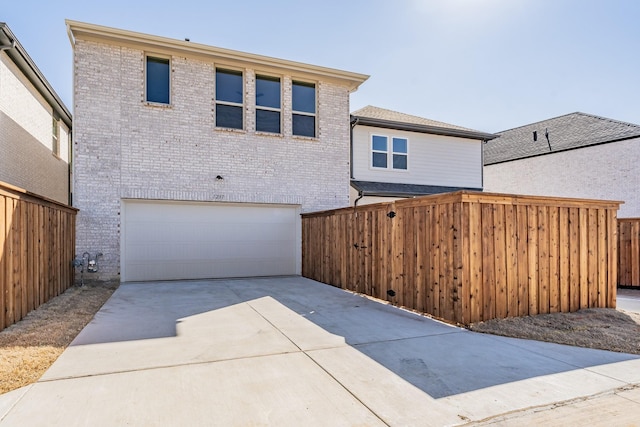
(26, 138)
(433, 159)
(606, 172)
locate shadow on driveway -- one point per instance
(220, 319)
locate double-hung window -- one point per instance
(55, 136)
(158, 80)
(387, 154)
(304, 109)
(268, 104)
(229, 99)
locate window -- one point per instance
(55, 131)
(304, 109)
(384, 156)
(158, 80)
(229, 99)
(268, 104)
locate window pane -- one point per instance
(379, 160)
(379, 143)
(304, 125)
(304, 97)
(267, 121)
(158, 80)
(268, 92)
(399, 145)
(228, 116)
(399, 161)
(229, 86)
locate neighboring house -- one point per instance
(35, 126)
(575, 155)
(193, 161)
(397, 155)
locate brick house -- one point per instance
(575, 155)
(193, 161)
(397, 155)
(35, 125)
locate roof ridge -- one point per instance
(609, 119)
(571, 114)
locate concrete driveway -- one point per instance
(289, 351)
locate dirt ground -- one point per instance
(603, 328)
(29, 348)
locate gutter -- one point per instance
(435, 130)
(23, 61)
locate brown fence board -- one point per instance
(37, 239)
(467, 256)
(628, 252)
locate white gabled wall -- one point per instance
(433, 159)
(605, 172)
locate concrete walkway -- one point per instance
(289, 351)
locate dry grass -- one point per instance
(29, 348)
(602, 328)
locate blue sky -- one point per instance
(490, 65)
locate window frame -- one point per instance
(389, 152)
(305, 113)
(146, 78)
(55, 136)
(266, 76)
(216, 101)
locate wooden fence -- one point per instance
(629, 252)
(466, 256)
(37, 238)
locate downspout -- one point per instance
(8, 46)
(360, 196)
(354, 123)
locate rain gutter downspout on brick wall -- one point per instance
(354, 122)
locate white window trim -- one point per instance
(55, 136)
(304, 113)
(259, 107)
(216, 102)
(389, 152)
(144, 96)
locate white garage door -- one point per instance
(182, 240)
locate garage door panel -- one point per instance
(167, 241)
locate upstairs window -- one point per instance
(55, 131)
(304, 109)
(268, 104)
(385, 156)
(158, 80)
(229, 99)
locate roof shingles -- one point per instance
(395, 116)
(566, 132)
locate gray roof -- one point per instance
(566, 132)
(387, 189)
(21, 58)
(380, 117)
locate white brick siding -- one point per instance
(26, 140)
(128, 149)
(608, 171)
